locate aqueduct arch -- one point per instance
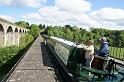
(9, 36)
(10, 33)
(20, 32)
(1, 35)
(16, 37)
(23, 31)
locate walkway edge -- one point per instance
(16, 64)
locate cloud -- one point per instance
(59, 14)
(77, 12)
(28, 3)
(9, 18)
(5, 2)
(110, 17)
(73, 5)
(108, 14)
(53, 15)
(23, 3)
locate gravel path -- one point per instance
(35, 66)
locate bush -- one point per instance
(25, 40)
(7, 54)
(35, 31)
(10, 55)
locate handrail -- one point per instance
(95, 71)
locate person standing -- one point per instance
(101, 57)
(104, 51)
(104, 48)
(89, 55)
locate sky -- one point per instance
(107, 14)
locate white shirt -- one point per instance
(89, 51)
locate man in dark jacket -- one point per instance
(101, 57)
(104, 48)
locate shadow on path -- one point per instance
(45, 57)
(46, 60)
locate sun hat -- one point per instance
(103, 39)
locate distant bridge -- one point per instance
(10, 33)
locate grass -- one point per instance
(117, 52)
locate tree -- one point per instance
(122, 38)
(23, 24)
(69, 34)
(41, 26)
(34, 30)
(90, 35)
(67, 26)
(50, 33)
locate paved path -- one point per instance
(35, 66)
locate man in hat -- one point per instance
(102, 58)
(104, 48)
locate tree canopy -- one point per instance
(34, 31)
(23, 24)
(72, 33)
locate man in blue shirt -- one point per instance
(104, 48)
(101, 57)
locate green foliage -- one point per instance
(41, 26)
(117, 52)
(23, 24)
(121, 37)
(25, 40)
(72, 33)
(69, 32)
(34, 30)
(90, 35)
(7, 53)
(114, 37)
(10, 55)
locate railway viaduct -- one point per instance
(10, 33)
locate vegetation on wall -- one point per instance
(10, 55)
(25, 40)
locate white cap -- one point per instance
(103, 38)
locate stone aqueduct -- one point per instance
(10, 33)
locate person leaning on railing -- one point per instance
(89, 54)
(102, 54)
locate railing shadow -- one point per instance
(45, 56)
(46, 60)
